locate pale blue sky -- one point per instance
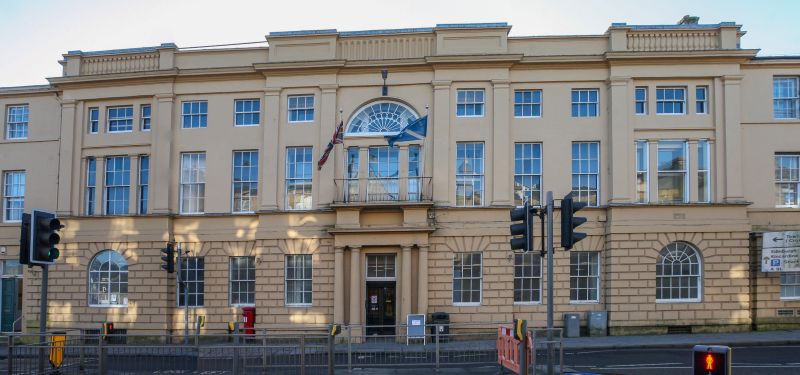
(34, 33)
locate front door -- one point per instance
(10, 303)
(380, 307)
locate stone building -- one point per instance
(683, 144)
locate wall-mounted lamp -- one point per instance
(385, 74)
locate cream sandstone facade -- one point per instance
(426, 69)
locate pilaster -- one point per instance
(620, 143)
(501, 168)
(338, 284)
(442, 157)
(422, 283)
(733, 139)
(270, 154)
(327, 125)
(161, 159)
(692, 170)
(405, 292)
(67, 150)
(133, 191)
(355, 285)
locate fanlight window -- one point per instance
(678, 273)
(381, 118)
(108, 279)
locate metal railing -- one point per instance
(383, 189)
(277, 349)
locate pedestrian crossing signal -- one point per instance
(712, 360)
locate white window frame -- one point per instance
(592, 268)
(521, 159)
(686, 177)
(253, 156)
(643, 146)
(637, 101)
(794, 284)
(465, 102)
(120, 259)
(304, 278)
(90, 195)
(143, 188)
(200, 114)
(256, 112)
(107, 187)
(196, 158)
(521, 266)
(793, 97)
(145, 120)
(187, 266)
(660, 260)
(9, 183)
(231, 280)
(704, 146)
(117, 119)
(704, 102)
(479, 278)
(305, 179)
(664, 101)
(580, 194)
(795, 180)
(93, 124)
(305, 108)
(533, 104)
(463, 178)
(20, 120)
(588, 103)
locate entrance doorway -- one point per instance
(380, 307)
(381, 303)
(10, 296)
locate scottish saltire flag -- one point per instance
(414, 131)
(338, 137)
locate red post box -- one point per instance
(249, 320)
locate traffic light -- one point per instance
(44, 229)
(524, 228)
(25, 239)
(711, 360)
(108, 329)
(569, 237)
(168, 258)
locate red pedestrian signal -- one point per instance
(712, 360)
(709, 362)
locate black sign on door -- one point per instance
(380, 307)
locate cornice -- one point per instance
(501, 60)
(739, 55)
(296, 65)
(63, 81)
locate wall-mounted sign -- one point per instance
(780, 252)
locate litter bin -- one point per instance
(598, 323)
(440, 321)
(572, 325)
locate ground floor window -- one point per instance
(584, 276)
(193, 274)
(108, 280)
(527, 278)
(790, 285)
(298, 280)
(242, 281)
(678, 273)
(467, 278)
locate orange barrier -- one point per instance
(508, 349)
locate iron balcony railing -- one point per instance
(383, 190)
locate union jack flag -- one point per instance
(338, 137)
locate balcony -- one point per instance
(383, 190)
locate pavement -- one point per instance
(755, 338)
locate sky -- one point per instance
(35, 33)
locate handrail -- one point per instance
(383, 189)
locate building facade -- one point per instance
(682, 143)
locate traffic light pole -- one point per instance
(550, 347)
(42, 317)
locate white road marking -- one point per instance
(647, 364)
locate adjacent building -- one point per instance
(683, 144)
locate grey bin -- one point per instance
(572, 325)
(598, 323)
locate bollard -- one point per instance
(264, 360)
(101, 363)
(81, 352)
(236, 349)
(349, 349)
(10, 359)
(331, 362)
(437, 347)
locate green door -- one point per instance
(9, 311)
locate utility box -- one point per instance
(572, 325)
(598, 323)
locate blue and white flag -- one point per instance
(414, 131)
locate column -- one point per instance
(692, 170)
(652, 169)
(442, 155)
(733, 139)
(100, 182)
(79, 131)
(270, 154)
(161, 159)
(501, 145)
(620, 141)
(338, 284)
(327, 125)
(65, 158)
(80, 209)
(422, 283)
(717, 98)
(405, 292)
(356, 304)
(133, 193)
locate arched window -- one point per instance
(679, 273)
(108, 279)
(380, 118)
